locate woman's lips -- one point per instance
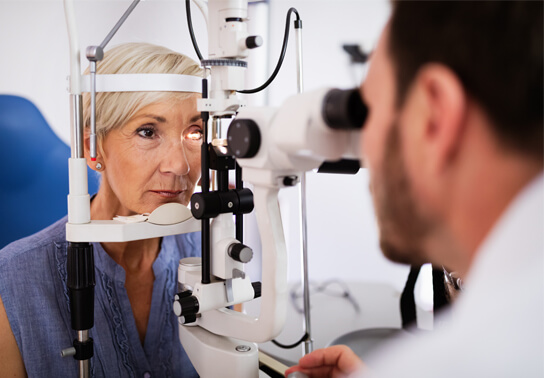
(168, 193)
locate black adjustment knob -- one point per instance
(244, 138)
(205, 205)
(184, 306)
(245, 197)
(211, 204)
(240, 252)
(80, 266)
(187, 319)
(254, 41)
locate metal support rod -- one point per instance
(216, 134)
(216, 128)
(298, 38)
(119, 23)
(92, 136)
(77, 150)
(84, 367)
(76, 132)
(308, 344)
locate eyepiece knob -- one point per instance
(240, 252)
(344, 109)
(254, 41)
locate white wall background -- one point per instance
(343, 239)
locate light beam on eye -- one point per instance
(194, 136)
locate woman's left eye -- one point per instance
(146, 132)
(193, 134)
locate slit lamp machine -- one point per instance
(268, 148)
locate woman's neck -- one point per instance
(135, 256)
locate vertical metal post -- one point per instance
(84, 367)
(308, 344)
(298, 37)
(92, 136)
(77, 151)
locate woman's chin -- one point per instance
(151, 207)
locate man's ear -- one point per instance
(446, 102)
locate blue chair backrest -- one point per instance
(33, 171)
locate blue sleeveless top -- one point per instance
(33, 290)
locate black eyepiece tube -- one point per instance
(344, 109)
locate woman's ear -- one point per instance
(98, 164)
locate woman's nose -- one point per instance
(175, 160)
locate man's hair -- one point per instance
(494, 47)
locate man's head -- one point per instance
(451, 87)
(493, 47)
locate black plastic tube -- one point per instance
(191, 30)
(298, 25)
(305, 337)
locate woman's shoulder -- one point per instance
(52, 235)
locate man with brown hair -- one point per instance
(454, 146)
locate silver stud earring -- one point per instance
(98, 166)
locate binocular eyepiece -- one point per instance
(312, 114)
(344, 109)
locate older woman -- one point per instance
(148, 155)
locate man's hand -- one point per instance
(336, 361)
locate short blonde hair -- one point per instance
(114, 109)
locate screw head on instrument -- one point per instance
(243, 348)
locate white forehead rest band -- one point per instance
(143, 83)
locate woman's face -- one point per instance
(155, 157)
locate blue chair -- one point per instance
(33, 171)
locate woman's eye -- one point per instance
(146, 132)
(193, 134)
